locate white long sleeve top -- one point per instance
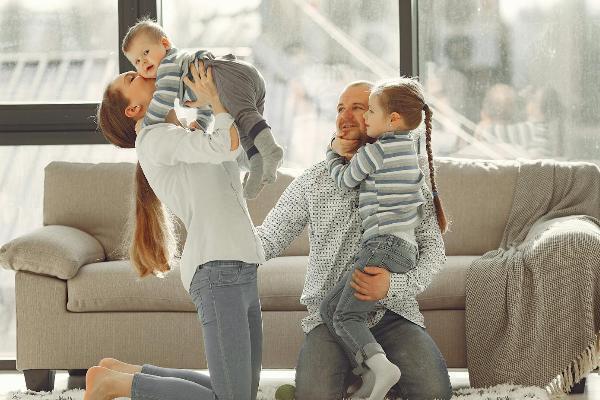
(196, 176)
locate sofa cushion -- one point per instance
(94, 198)
(114, 286)
(477, 197)
(98, 199)
(53, 250)
(447, 289)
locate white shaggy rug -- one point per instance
(499, 392)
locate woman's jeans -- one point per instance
(226, 296)
(345, 315)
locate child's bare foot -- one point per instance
(116, 365)
(105, 384)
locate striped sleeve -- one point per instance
(167, 87)
(367, 160)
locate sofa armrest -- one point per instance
(53, 250)
(571, 223)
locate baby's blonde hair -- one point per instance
(145, 26)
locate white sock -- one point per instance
(271, 153)
(386, 373)
(253, 180)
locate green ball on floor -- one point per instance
(285, 392)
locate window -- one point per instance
(56, 58)
(512, 79)
(60, 51)
(306, 50)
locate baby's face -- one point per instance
(145, 53)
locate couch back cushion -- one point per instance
(95, 198)
(477, 197)
(99, 199)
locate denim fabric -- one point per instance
(324, 371)
(345, 315)
(226, 296)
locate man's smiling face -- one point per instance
(353, 103)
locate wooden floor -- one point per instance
(13, 381)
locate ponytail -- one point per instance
(153, 244)
(439, 210)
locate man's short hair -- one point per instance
(368, 84)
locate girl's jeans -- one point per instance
(345, 315)
(226, 296)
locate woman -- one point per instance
(195, 175)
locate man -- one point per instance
(324, 370)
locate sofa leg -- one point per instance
(579, 387)
(76, 379)
(77, 372)
(39, 380)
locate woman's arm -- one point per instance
(168, 144)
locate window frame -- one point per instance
(68, 123)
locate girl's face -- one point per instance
(376, 119)
(137, 89)
(145, 53)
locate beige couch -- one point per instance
(78, 302)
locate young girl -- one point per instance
(389, 203)
(241, 89)
(195, 175)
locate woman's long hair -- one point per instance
(405, 97)
(153, 244)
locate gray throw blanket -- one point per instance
(533, 305)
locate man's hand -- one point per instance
(372, 285)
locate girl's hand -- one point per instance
(204, 88)
(345, 147)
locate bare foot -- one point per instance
(95, 384)
(105, 384)
(116, 365)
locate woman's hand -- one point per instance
(204, 88)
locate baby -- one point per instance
(240, 85)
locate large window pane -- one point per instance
(57, 51)
(306, 50)
(21, 196)
(513, 78)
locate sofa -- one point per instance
(78, 299)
